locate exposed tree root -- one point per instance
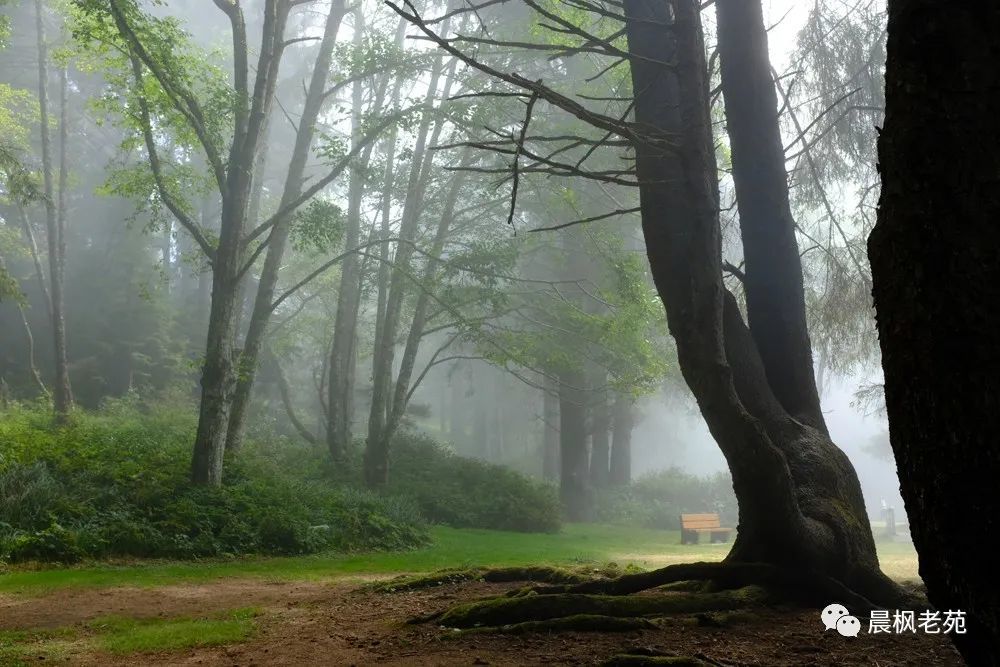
(582, 599)
(796, 586)
(539, 573)
(502, 611)
(632, 660)
(577, 622)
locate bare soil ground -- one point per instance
(343, 623)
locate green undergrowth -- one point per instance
(115, 483)
(458, 491)
(657, 499)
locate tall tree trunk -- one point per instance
(936, 276)
(600, 436)
(278, 238)
(575, 490)
(219, 372)
(773, 274)
(343, 353)
(403, 389)
(622, 423)
(55, 216)
(550, 435)
(376, 456)
(218, 377)
(801, 506)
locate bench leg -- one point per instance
(720, 537)
(689, 536)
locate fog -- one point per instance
(368, 222)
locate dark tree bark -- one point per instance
(936, 279)
(622, 423)
(773, 274)
(801, 506)
(575, 491)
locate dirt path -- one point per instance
(310, 623)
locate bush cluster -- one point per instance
(115, 483)
(658, 499)
(457, 491)
(468, 493)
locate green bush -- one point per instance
(55, 544)
(658, 499)
(115, 483)
(467, 493)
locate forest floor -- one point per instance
(320, 611)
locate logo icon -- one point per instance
(832, 614)
(848, 626)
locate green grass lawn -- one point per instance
(451, 548)
(123, 636)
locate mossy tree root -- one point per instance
(500, 611)
(541, 574)
(797, 586)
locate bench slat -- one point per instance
(701, 522)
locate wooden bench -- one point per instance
(693, 525)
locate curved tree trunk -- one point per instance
(936, 277)
(800, 501)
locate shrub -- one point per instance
(115, 483)
(658, 499)
(29, 494)
(465, 492)
(281, 533)
(55, 544)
